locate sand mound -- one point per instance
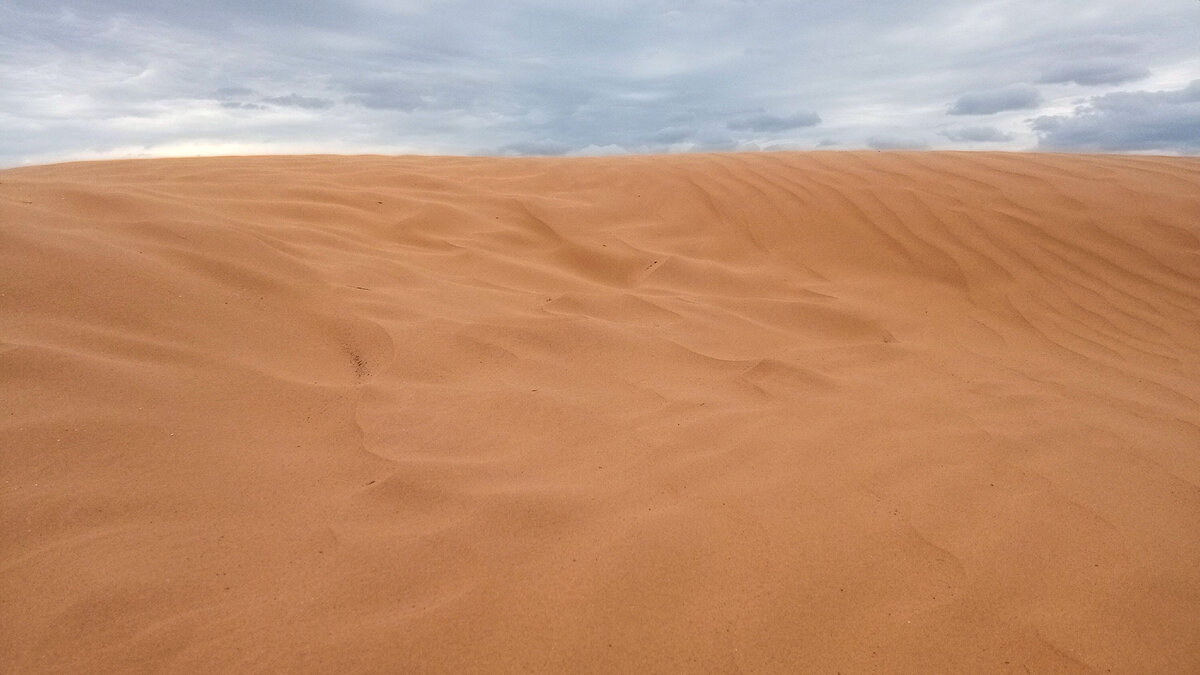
(857, 412)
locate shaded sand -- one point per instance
(856, 412)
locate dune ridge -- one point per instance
(795, 412)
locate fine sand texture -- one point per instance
(766, 413)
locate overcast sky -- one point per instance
(82, 79)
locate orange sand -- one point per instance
(856, 412)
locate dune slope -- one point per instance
(827, 412)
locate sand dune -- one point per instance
(825, 412)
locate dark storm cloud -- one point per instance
(1094, 72)
(977, 135)
(1017, 97)
(1125, 121)
(769, 123)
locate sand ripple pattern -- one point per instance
(820, 412)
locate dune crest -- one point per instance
(813, 412)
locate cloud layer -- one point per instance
(1123, 121)
(114, 78)
(1019, 97)
(771, 123)
(977, 135)
(1095, 72)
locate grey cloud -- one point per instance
(1095, 72)
(1127, 121)
(96, 76)
(896, 142)
(386, 101)
(1106, 45)
(717, 143)
(977, 135)
(297, 101)
(239, 105)
(1017, 97)
(535, 148)
(215, 13)
(384, 96)
(235, 98)
(673, 135)
(774, 123)
(233, 92)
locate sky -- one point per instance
(92, 79)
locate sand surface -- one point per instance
(829, 412)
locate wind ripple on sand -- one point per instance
(858, 412)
